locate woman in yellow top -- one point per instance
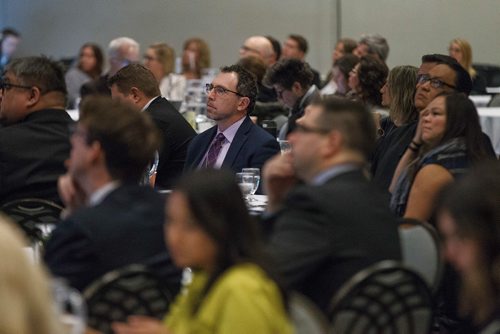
(208, 229)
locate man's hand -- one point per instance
(140, 325)
(279, 178)
(71, 194)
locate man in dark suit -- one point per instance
(292, 80)
(122, 51)
(337, 222)
(235, 142)
(110, 221)
(136, 84)
(34, 135)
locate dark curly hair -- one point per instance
(372, 74)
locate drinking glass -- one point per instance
(285, 146)
(245, 182)
(256, 180)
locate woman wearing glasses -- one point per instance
(448, 140)
(209, 230)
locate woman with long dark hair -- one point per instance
(208, 229)
(469, 221)
(448, 140)
(88, 67)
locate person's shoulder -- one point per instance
(246, 276)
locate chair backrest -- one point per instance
(133, 290)
(37, 217)
(421, 251)
(306, 317)
(386, 297)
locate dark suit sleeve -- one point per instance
(265, 152)
(298, 246)
(70, 254)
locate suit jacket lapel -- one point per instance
(239, 139)
(204, 146)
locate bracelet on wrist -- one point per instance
(417, 145)
(413, 148)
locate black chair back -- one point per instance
(37, 217)
(384, 298)
(133, 290)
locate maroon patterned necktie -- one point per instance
(214, 150)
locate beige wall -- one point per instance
(413, 27)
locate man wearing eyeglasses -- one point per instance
(34, 136)
(336, 222)
(437, 74)
(292, 80)
(235, 142)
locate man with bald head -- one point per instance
(437, 74)
(258, 46)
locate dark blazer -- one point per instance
(177, 134)
(125, 228)
(251, 147)
(325, 234)
(298, 111)
(32, 155)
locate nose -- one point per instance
(382, 90)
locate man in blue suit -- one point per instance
(235, 142)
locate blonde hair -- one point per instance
(25, 298)
(166, 56)
(466, 55)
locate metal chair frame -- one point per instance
(384, 298)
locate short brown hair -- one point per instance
(135, 75)
(352, 119)
(128, 137)
(301, 42)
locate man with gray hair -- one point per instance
(122, 51)
(372, 44)
(34, 134)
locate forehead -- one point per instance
(291, 42)
(227, 80)
(437, 102)
(425, 68)
(9, 76)
(443, 72)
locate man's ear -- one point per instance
(297, 89)
(335, 141)
(243, 103)
(34, 96)
(136, 94)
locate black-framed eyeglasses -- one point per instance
(5, 85)
(219, 90)
(301, 128)
(434, 82)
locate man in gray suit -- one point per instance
(337, 222)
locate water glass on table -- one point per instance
(285, 146)
(256, 180)
(246, 183)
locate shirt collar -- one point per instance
(309, 92)
(230, 132)
(98, 196)
(326, 175)
(149, 103)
